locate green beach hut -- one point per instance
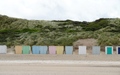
(26, 49)
(109, 50)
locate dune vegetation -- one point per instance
(15, 31)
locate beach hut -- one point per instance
(118, 49)
(18, 49)
(43, 49)
(35, 49)
(82, 49)
(3, 49)
(69, 49)
(96, 50)
(26, 49)
(52, 49)
(109, 50)
(60, 49)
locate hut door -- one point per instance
(118, 50)
(109, 50)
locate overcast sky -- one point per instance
(81, 10)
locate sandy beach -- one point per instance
(13, 64)
(57, 69)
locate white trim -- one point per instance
(106, 50)
(117, 49)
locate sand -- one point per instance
(56, 69)
(13, 64)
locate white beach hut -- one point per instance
(82, 50)
(3, 49)
(96, 50)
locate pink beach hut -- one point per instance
(52, 49)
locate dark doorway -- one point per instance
(118, 50)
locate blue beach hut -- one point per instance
(43, 49)
(36, 49)
(69, 49)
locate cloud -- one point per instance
(82, 10)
